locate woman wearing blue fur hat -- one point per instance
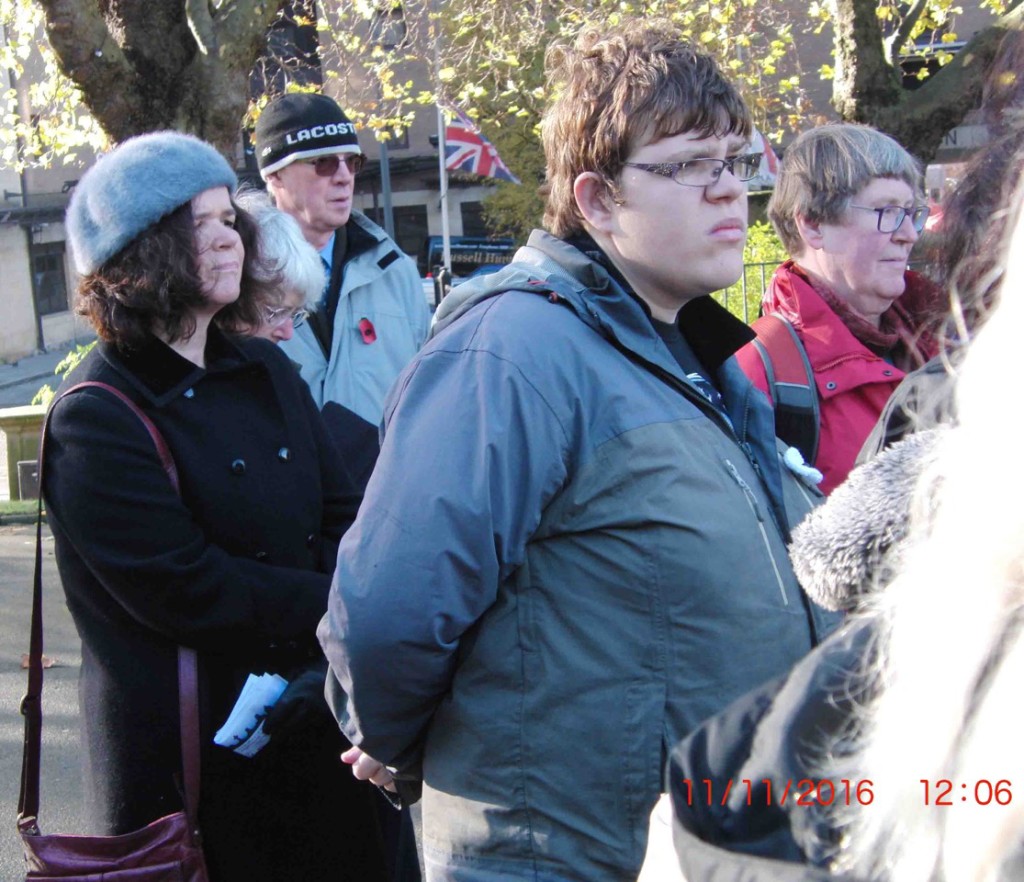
(238, 565)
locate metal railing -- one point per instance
(743, 299)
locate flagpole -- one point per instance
(446, 238)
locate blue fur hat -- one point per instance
(132, 187)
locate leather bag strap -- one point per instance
(31, 708)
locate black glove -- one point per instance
(299, 706)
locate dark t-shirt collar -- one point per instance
(710, 331)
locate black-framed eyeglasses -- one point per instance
(274, 317)
(703, 172)
(890, 217)
(327, 166)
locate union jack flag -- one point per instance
(466, 149)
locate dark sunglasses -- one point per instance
(327, 166)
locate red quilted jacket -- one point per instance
(853, 382)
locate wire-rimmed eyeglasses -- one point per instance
(274, 317)
(890, 217)
(703, 172)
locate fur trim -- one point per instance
(852, 543)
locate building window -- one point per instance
(51, 290)
(399, 140)
(473, 219)
(410, 225)
(292, 53)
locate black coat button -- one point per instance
(311, 540)
(284, 454)
(261, 555)
(238, 467)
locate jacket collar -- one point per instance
(712, 331)
(827, 339)
(160, 374)
(548, 264)
(583, 278)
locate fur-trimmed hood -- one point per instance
(853, 543)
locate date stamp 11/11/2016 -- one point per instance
(809, 792)
(765, 791)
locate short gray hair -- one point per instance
(823, 168)
(284, 251)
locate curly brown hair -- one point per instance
(153, 282)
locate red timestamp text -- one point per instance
(765, 791)
(944, 792)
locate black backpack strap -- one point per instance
(791, 384)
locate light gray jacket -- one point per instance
(381, 285)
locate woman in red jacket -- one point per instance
(848, 207)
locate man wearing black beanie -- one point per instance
(373, 316)
(371, 319)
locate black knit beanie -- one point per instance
(301, 125)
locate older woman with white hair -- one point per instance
(942, 738)
(290, 263)
(294, 278)
(890, 753)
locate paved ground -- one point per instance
(61, 809)
(61, 797)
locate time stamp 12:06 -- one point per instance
(826, 792)
(944, 792)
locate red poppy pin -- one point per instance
(368, 331)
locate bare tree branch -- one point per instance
(241, 26)
(899, 39)
(864, 78)
(200, 23)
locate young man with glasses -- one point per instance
(372, 316)
(574, 546)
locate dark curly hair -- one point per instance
(153, 282)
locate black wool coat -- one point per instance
(238, 567)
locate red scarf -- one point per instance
(902, 337)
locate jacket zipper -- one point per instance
(756, 510)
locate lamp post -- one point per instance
(385, 189)
(388, 31)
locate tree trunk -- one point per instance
(867, 87)
(161, 64)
